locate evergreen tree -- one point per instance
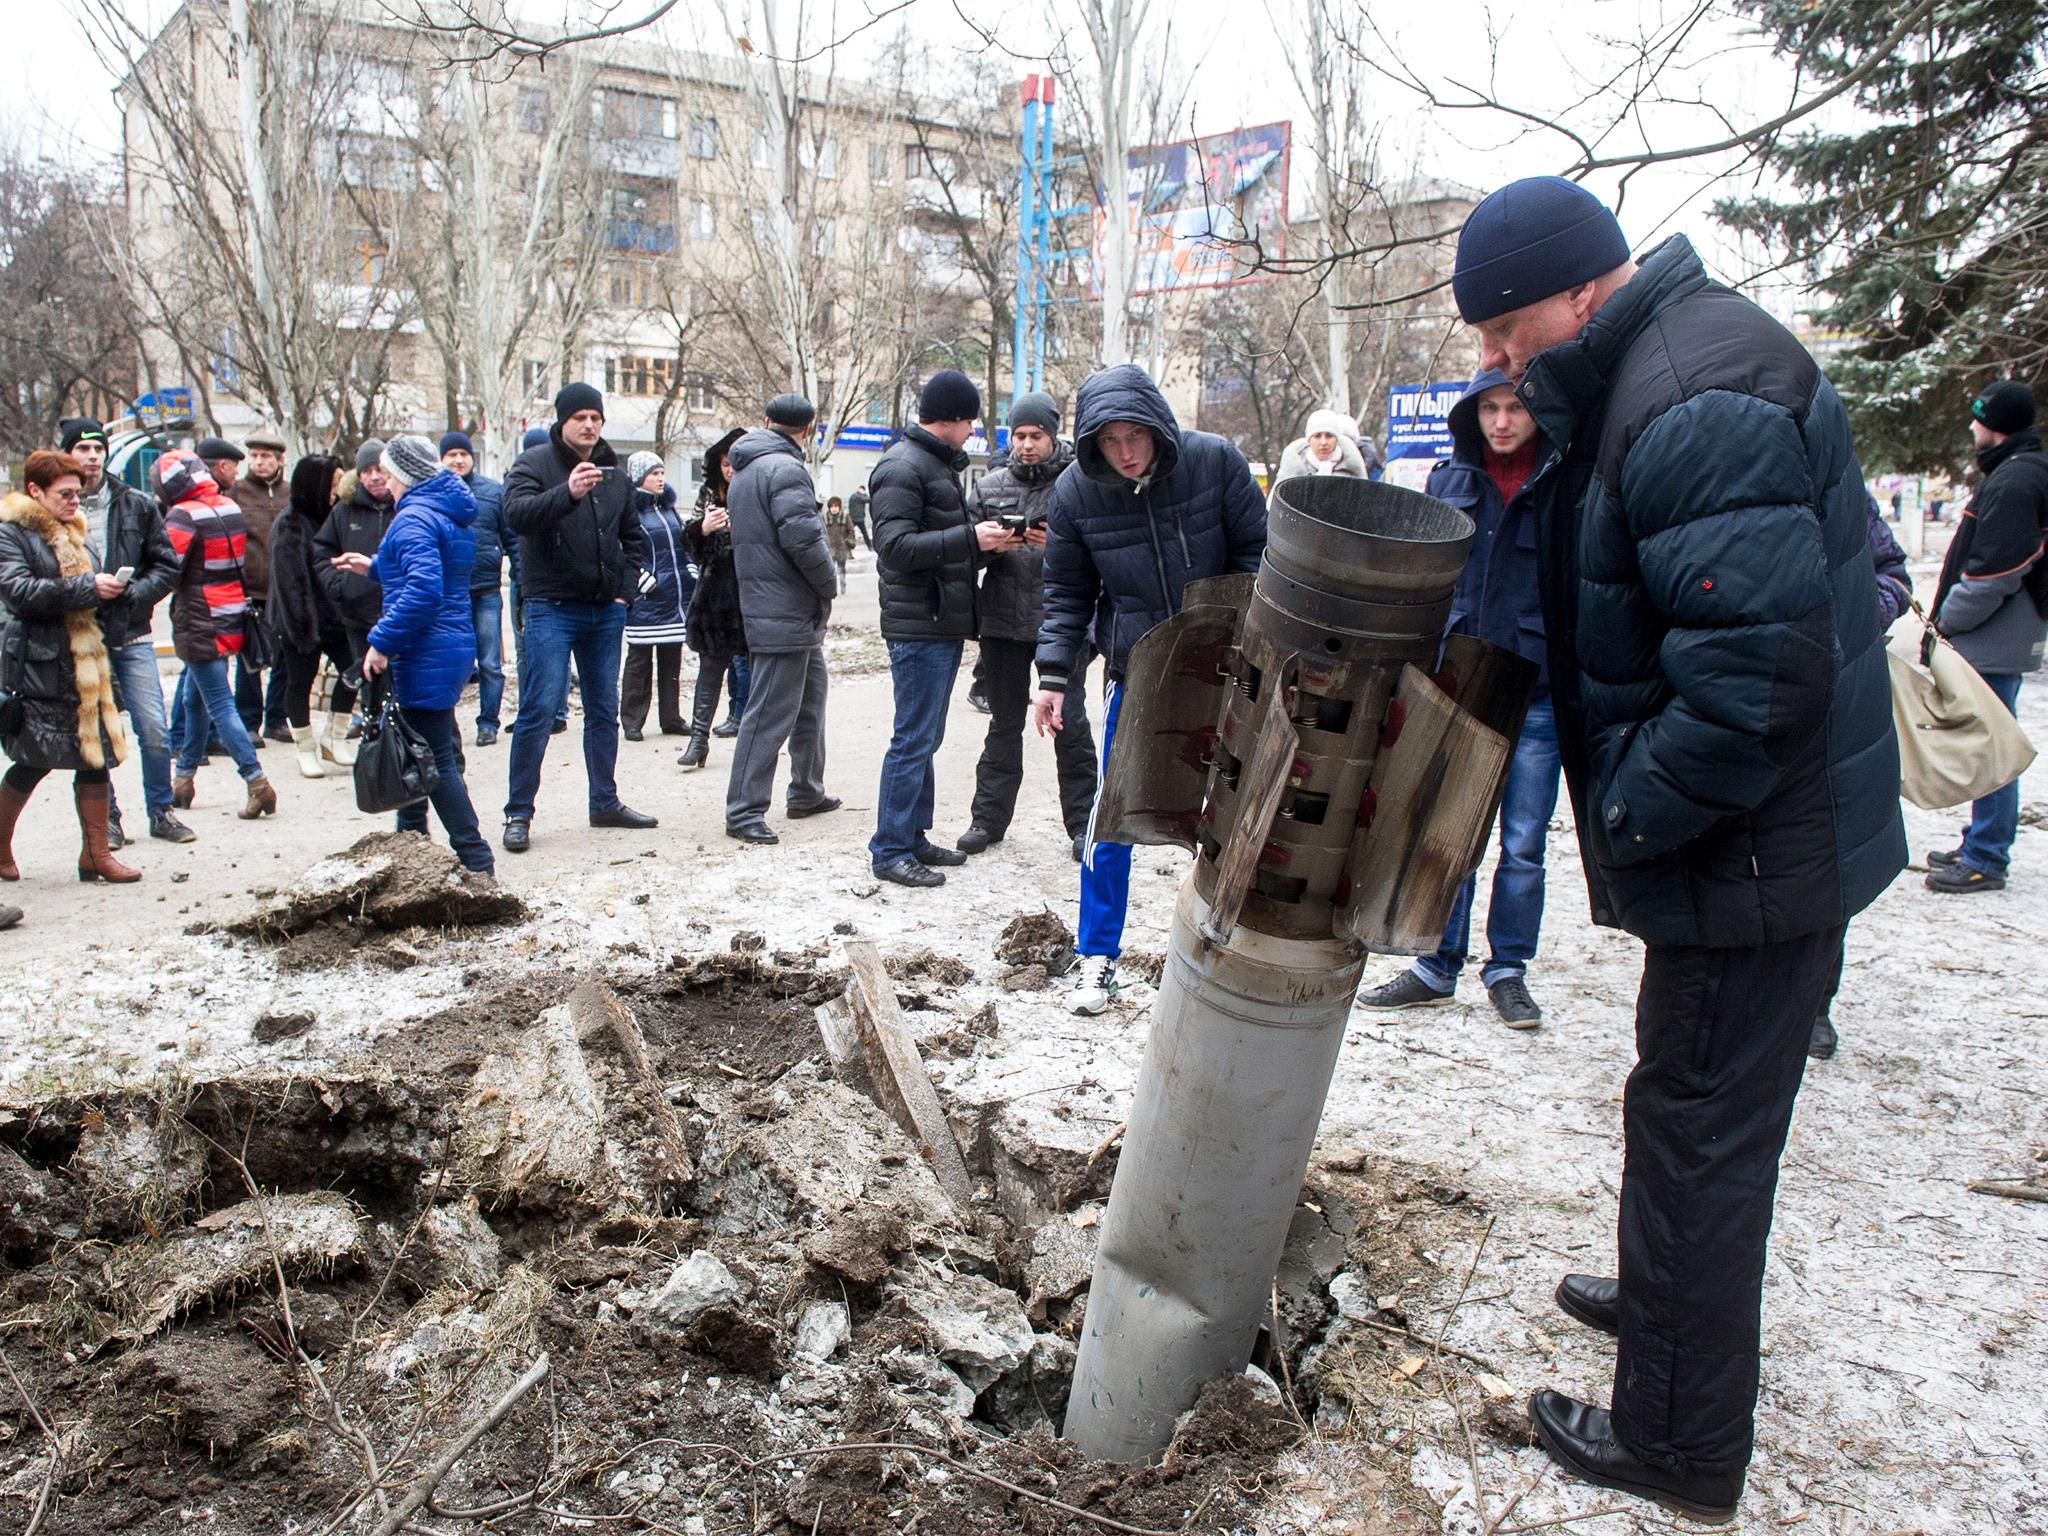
(1923, 218)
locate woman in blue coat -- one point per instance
(425, 635)
(655, 629)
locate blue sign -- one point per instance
(1418, 420)
(874, 439)
(164, 405)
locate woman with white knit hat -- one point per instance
(1328, 447)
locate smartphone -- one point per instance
(126, 573)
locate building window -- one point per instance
(881, 164)
(533, 109)
(632, 284)
(703, 220)
(703, 137)
(819, 155)
(533, 374)
(697, 395)
(635, 115)
(638, 375)
(764, 149)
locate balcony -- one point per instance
(640, 155)
(638, 235)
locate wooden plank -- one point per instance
(901, 1085)
(842, 1044)
(595, 1007)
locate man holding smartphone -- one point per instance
(1017, 492)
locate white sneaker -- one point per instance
(1095, 985)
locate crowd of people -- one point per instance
(1671, 526)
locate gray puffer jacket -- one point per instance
(1013, 589)
(787, 578)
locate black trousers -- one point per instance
(650, 669)
(1720, 1050)
(1005, 673)
(300, 668)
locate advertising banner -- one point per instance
(1418, 430)
(1190, 198)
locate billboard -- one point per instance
(1189, 198)
(1418, 430)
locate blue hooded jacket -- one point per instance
(424, 565)
(1132, 547)
(663, 608)
(1499, 596)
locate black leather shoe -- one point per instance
(1080, 846)
(1511, 1000)
(756, 832)
(933, 856)
(1820, 1045)
(633, 735)
(1942, 858)
(1594, 1300)
(1959, 879)
(910, 872)
(1580, 1438)
(799, 812)
(171, 830)
(726, 729)
(487, 735)
(626, 818)
(977, 839)
(518, 836)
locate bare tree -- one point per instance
(1111, 87)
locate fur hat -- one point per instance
(409, 460)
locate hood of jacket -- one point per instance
(444, 492)
(1468, 442)
(1123, 393)
(181, 476)
(762, 443)
(713, 480)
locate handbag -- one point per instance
(394, 765)
(1957, 740)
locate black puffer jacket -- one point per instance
(356, 526)
(925, 549)
(1133, 548)
(570, 551)
(1993, 593)
(1013, 586)
(135, 536)
(787, 578)
(1723, 700)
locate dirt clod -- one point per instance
(1039, 938)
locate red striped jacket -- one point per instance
(209, 537)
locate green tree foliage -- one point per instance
(1920, 213)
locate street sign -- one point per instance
(164, 405)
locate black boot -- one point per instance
(703, 705)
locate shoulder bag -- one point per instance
(1957, 740)
(394, 765)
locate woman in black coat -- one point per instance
(713, 625)
(308, 623)
(57, 706)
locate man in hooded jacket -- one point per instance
(1145, 508)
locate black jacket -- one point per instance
(356, 526)
(1013, 586)
(787, 578)
(1993, 590)
(712, 624)
(1131, 548)
(135, 536)
(925, 550)
(302, 612)
(37, 667)
(1723, 699)
(570, 551)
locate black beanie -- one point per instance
(790, 411)
(948, 395)
(2006, 407)
(73, 430)
(1529, 240)
(572, 398)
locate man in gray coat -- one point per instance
(787, 583)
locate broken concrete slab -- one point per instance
(974, 1325)
(135, 1170)
(532, 1127)
(928, 1382)
(1034, 1395)
(388, 880)
(1062, 1256)
(693, 1287)
(456, 1249)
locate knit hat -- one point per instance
(641, 465)
(1531, 239)
(409, 460)
(1336, 423)
(1035, 409)
(367, 455)
(2007, 406)
(460, 440)
(73, 430)
(571, 398)
(790, 411)
(948, 395)
(264, 437)
(535, 436)
(211, 448)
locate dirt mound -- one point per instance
(388, 883)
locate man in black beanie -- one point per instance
(581, 559)
(1724, 719)
(927, 550)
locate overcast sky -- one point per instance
(1547, 57)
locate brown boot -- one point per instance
(95, 862)
(11, 802)
(262, 801)
(183, 791)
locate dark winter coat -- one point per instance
(262, 503)
(571, 551)
(1498, 597)
(1013, 586)
(1894, 581)
(787, 578)
(423, 567)
(1988, 600)
(302, 613)
(488, 574)
(1134, 548)
(659, 613)
(356, 526)
(135, 536)
(1723, 700)
(713, 625)
(926, 553)
(53, 661)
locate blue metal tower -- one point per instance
(1036, 221)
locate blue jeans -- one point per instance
(1106, 870)
(451, 796)
(738, 684)
(142, 697)
(486, 612)
(592, 633)
(923, 672)
(1515, 916)
(1995, 819)
(209, 698)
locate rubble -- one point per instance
(823, 1330)
(532, 1126)
(974, 1325)
(137, 1172)
(694, 1287)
